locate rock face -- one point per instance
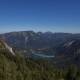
(4, 45)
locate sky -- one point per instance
(40, 15)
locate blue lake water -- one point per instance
(42, 55)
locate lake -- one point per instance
(42, 55)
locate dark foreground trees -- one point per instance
(19, 68)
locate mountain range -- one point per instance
(64, 47)
(30, 39)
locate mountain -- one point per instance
(21, 68)
(17, 67)
(48, 43)
(39, 40)
(68, 53)
(25, 41)
(59, 62)
(30, 39)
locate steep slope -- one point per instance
(69, 53)
(5, 46)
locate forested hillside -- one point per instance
(19, 68)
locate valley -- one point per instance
(35, 58)
(57, 46)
